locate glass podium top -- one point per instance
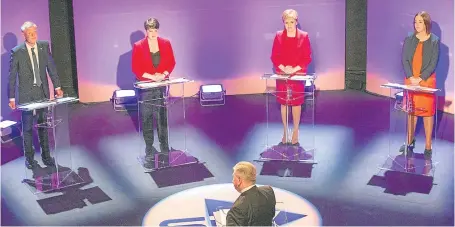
(298, 77)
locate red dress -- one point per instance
(423, 104)
(292, 51)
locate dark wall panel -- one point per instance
(63, 44)
(356, 44)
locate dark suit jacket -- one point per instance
(255, 207)
(21, 69)
(429, 58)
(142, 60)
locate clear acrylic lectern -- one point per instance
(276, 149)
(407, 154)
(162, 124)
(42, 178)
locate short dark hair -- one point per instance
(151, 23)
(426, 20)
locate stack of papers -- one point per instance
(220, 217)
(162, 83)
(284, 77)
(409, 87)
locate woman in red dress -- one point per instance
(419, 58)
(291, 54)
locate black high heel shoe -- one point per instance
(428, 154)
(410, 146)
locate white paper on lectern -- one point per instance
(279, 76)
(35, 106)
(162, 83)
(300, 77)
(220, 217)
(295, 77)
(409, 87)
(66, 99)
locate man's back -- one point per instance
(255, 207)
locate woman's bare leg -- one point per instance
(296, 113)
(412, 123)
(284, 115)
(428, 123)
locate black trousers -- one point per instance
(152, 109)
(37, 94)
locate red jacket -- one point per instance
(142, 60)
(286, 51)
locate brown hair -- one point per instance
(151, 23)
(426, 20)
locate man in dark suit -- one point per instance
(256, 205)
(30, 63)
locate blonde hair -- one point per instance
(290, 14)
(26, 25)
(245, 171)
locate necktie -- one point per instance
(36, 69)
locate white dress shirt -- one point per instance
(29, 50)
(247, 188)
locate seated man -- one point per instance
(256, 205)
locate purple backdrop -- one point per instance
(225, 42)
(13, 15)
(389, 21)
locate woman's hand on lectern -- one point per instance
(158, 77)
(288, 69)
(148, 76)
(415, 81)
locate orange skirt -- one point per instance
(423, 104)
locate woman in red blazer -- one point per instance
(291, 54)
(153, 60)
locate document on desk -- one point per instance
(220, 217)
(34, 106)
(65, 99)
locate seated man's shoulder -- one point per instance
(242, 203)
(266, 188)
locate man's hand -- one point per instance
(59, 93)
(12, 104)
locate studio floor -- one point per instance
(346, 186)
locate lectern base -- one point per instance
(290, 153)
(166, 160)
(53, 181)
(412, 164)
